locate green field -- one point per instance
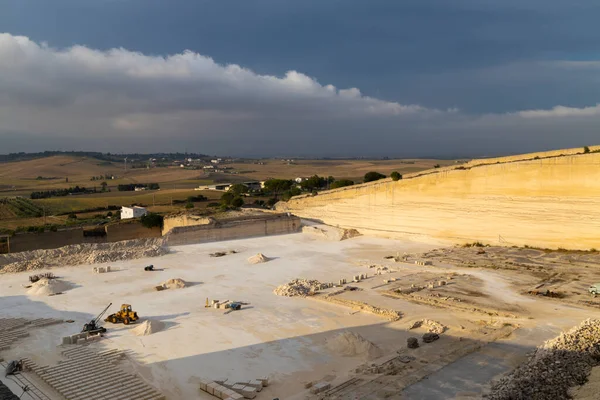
(65, 204)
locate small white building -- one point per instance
(133, 212)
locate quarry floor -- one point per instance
(283, 338)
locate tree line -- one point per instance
(61, 192)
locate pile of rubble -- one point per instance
(300, 287)
(431, 325)
(87, 253)
(554, 367)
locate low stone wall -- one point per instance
(240, 228)
(47, 240)
(129, 231)
(53, 240)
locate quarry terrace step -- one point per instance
(87, 374)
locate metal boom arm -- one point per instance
(102, 313)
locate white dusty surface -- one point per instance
(282, 338)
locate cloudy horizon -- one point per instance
(70, 89)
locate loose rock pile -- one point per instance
(554, 367)
(430, 337)
(412, 342)
(87, 253)
(300, 287)
(148, 327)
(258, 258)
(175, 283)
(351, 344)
(431, 325)
(48, 287)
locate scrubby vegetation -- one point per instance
(373, 176)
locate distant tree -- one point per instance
(192, 199)
(152, 220)
(227, 198)
(586, 149)
(330, 179)
(341, 183)
(437, 166)
(395, 176)
(314, 182)
(72, 216)
(237, 202)
(104, 185)
(278, 185)
(238, 189)
(288, 194)
(109, 214)
(272, 201)
(373, 176)
(189, 205)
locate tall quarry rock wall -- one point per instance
(548, 200)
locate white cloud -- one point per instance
(562, 111)
(108, 100)
(162, 84)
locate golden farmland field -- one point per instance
(56, 172)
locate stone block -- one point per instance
(81, 341)
(238, 387)
(255, 384)
(218, 391)
(210, 388)
(264, 381)
(320, 387)
(248, 392)
(67, 340)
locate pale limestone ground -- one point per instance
(275, 336)
(283, 338)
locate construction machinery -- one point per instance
(92, 326)
(125, 315)
(13, 367)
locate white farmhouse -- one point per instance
(133, 212)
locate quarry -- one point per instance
(388, 291)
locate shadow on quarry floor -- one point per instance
(279, 360)
(442, 369)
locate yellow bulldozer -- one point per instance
(126, 315)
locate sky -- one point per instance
(323, 78)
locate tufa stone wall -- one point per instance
(239, 228)
(174, 221)
(539, 199)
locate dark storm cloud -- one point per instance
(521, 73)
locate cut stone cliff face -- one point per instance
(544, 200)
